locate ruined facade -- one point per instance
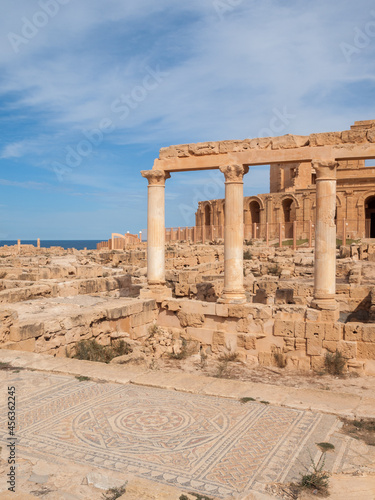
(292, 197)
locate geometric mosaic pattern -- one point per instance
(209, 445)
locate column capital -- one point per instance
(155, 177)
(234, 173)
(325, 169)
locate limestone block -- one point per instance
(348, 349)
(234, 146)
(261, 143)
(23, 345)
(204, 148)
(330, 345)
(354, 136)
(26, 331)
(268, 327)
(353, 331)
(284, 328)
(312, 314)
(289, 141)
(314, 346)
(371, 135)
(328, 316)
(266, 358)
(289, 344)
(317, 363)
(221, 310)
(315, 330)
(181, 151)
(255, 326)
(333, 331)
(325, 139)
(300, 329)
(74, 321)
(230, 340)
(368, 333)
(182, 289)
(142, 318)
(369, 367)
(218, 338)
(300, 344)
(171, 305)
(188, 319)
(297, 361)
(366, 350)
(237, 311)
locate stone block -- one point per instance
(218, 338)
(300, 344)
(348, 349)
(237, 311)
(189, 319)
(330, 316)
(221, 310)
(300, 329)
(368, 333)
(315, 330)
(333, 331)
(266, 358)
(366, 350)
(230, 340)
(142, 318)
(26, 331)
(203, 335)
(353, 331)
(284, 328)
(312, 314)
(330, 345)
(317, 363)
(23, 345)
(314, 346)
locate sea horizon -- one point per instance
(77, 244)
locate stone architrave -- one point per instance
(234, 291)
(325, 235)
(156, 226)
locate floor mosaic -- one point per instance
(210, 445)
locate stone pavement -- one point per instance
(181, 431)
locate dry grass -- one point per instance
(90, 350)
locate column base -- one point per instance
(233, 297)
(157, 292)
(325, 304)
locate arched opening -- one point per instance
(254, 212)
(370, 217)
(207, 222)
(287, 213)
(207, 215)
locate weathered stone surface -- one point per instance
(290, 141)
(325, 139)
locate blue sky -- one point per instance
(90, 90)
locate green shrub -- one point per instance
(247, 255)
(90, 350)
(335, 363)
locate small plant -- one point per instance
(184, 353)
(246, 400)
(318, 478)
(280, 359)
(196, 495)
(114, 493)
(274, 270)
(325, 446)
(82, 378)
(153, 330)
(247, 255)
(335, 363)
(2, 275)
(223, 369)
(363, 429)
(229, 357)
(90, 350)
(264, 402)
(9, 367)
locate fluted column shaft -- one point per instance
(325, 235)
(234, 291)
(156, 226)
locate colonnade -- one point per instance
(234, 292)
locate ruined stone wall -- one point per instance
(257, 332)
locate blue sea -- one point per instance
(77, 244)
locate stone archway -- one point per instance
(370, 217)
(288, 216)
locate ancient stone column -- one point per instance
(234, 291)
(325, 235)
(156, 226)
